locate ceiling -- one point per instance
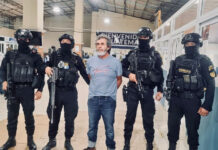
(144, 9)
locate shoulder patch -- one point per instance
(213, 74)
(210, 68)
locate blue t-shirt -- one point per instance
(103, 74)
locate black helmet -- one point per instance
(67, 36)
(192, 37)
(145, 31)
(23, 34)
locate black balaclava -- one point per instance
(66, 49)
(144, 44)
(192, 51)
(23, 46)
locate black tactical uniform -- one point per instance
(146, 63)
(192, 74)
(68, 65)
(22, 65)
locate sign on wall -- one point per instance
(121, 40)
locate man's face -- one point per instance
(188, 44)
(101, 45)
(65, 41)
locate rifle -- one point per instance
(170, 82)
(9, 94)
(52, 80)
(139, 77)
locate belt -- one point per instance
(145, 87)
(187, 95)
(23, 85)
(64, 88)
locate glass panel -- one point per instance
(209, 5)
(154, 37)
(210, 43)
(187, 16)
(167, 28)
(190, 30)
(159, 34)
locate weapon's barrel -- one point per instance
(53, 88)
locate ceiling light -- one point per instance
(56, 9)
(106, 20)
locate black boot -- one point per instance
(51, 143)
(193, 147)
(172, 146)
(11, 142)
(126, 145)
(68, 145)
(149, 146)
(31, 144)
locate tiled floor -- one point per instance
(79, 140)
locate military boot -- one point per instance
(51, 143)
(149, 146)
(193, 147)
(11, 142)
(68, 145)
(31, 144)
(90, 148)
(172, 146)
(126, 145)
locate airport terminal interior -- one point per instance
(120, 20)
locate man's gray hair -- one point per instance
(103, 36)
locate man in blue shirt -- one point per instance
(105, 73)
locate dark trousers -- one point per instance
(148, 111)
(66, 98)
(25, 97)
(188, 107)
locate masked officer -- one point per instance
(143, 68)
(192, 74)
(68, 64)
(19, 80)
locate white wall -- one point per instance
(6, 32)
(55, 26)
(51, 38)
(58, 25)
(87, 30)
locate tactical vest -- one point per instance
(144, 64)
(187, 75)
(67, 71)
(22, 67)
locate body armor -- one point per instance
(187, 75)
(145, 67)
(67, 71)
(22, 68)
